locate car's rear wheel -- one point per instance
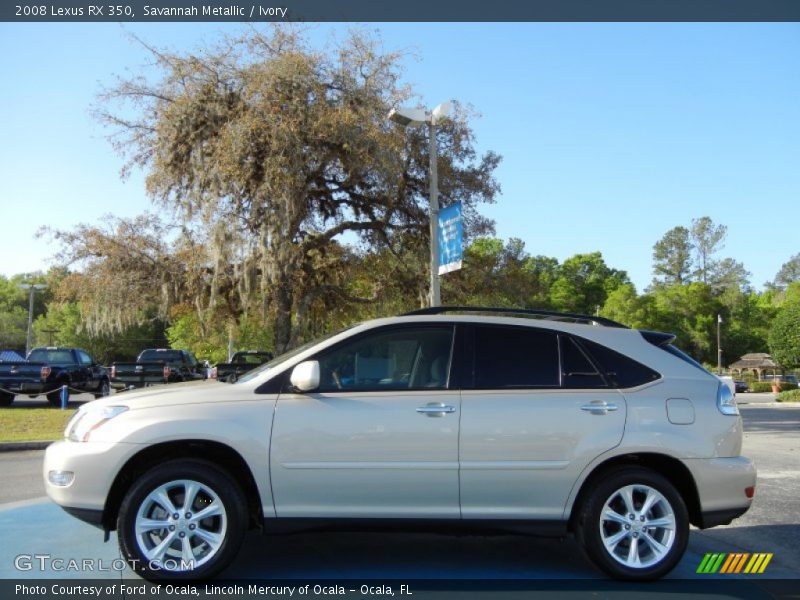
(185, 519)
(104, 389)
(634, 525)
(6, 398)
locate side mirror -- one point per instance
(305, 376)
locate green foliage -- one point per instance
(789, 396)
(209, 339)
(789, 273)
(784, 335)
(584, 282)
(760, 387)
(672, 257)
(707, 239)
(766, 386)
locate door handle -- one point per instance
(436, 410)
(599, 408)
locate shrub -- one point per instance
(766, 386)
(789, 396)
(761, 386)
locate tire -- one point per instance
(54, 398)
(104, 389)
(632, 543)
(208, 545)
(6, 399)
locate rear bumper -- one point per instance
(721, 517)
(722, 487)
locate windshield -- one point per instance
(288, 355)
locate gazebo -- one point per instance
(757, 362)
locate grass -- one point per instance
(23, 424)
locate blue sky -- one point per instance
(611, 134)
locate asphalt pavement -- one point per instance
(772, 438)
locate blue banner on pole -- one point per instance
(450, 234)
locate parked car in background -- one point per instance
(241, 363)
(158, 365)
(483, 418)
(741, 386)
(46, 370)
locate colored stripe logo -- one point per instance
(734, 563)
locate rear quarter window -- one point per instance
(621, 371)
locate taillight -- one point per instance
(113, 372)
(750, 491)
(726, 401)
(45, 372)
(167, 371)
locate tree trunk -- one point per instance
(282, 330)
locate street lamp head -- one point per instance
(32, 286)
(409, 117)
(443, 111)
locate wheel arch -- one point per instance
(217, 453)
(667, 466)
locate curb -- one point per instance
(21, 446)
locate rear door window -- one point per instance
(515, 357)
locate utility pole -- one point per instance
(32, 287)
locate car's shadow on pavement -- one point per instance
(337, 555)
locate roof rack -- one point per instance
(548, 315)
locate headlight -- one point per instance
(86, 420)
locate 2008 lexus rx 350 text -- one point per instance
(471, 418)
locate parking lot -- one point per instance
(38, 527)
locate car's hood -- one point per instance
(190, 392)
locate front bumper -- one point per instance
(722, 487)
(95, 466)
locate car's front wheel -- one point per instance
(6, 398)
(634, 525)
(185, 519)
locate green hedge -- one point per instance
(766, 386)
(761, 386)
(789, 396)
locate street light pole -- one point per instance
(719, 347)
(32, 287)
(436, 297)
(414, 117)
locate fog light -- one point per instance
(60, 478)
(750, 491)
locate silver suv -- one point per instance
(474, 418)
